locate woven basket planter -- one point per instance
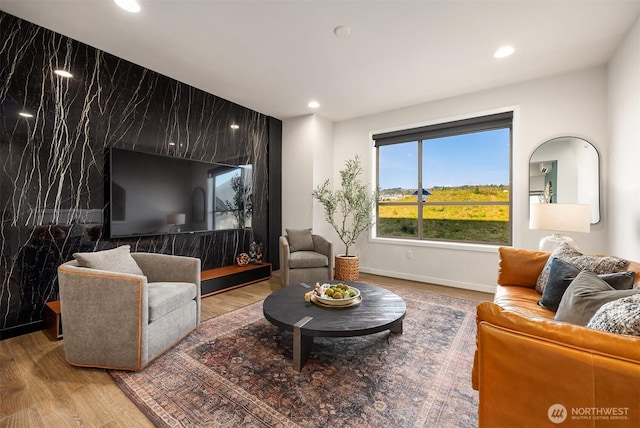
(347, 268)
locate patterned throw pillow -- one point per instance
(621, 316)
(563, 252)
(599, 265)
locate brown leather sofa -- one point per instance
(532, 371)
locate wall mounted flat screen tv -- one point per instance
(150, 194)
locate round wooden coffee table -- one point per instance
(379, 310)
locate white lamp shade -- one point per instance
(561, 217)
(176, 218)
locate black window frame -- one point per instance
(503, 120)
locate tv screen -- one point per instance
(151, 194)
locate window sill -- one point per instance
(460, 246)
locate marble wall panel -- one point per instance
(52, 164)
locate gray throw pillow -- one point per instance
(562, 273)
(621, 316)
(585, 295)
(115, 260)
(300, 240)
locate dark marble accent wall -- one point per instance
(52, 165)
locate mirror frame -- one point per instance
(594, 198)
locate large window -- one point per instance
(447, 182)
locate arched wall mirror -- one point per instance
(566, 170)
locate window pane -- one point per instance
(224, 192)
(480, 158)
(398, 168)
(398, 221)
(226, 220)
(475, 193)
(470, 223)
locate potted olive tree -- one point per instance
(349, 209)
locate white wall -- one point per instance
(623, 179)
(307, 156)
(570, 104)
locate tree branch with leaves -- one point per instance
(348, 209)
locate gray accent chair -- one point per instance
(122, 320)
(308, 266)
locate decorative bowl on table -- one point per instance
(336, 295)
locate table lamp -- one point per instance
(559, 218)
(176, 220)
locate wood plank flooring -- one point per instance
(38, 388)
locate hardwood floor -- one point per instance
(38, 388)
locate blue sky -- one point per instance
(478, 158)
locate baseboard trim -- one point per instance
(431, 280)
(21, 329)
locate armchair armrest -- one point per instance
(323, 246)
(166, 267)
(285, 253)
(105, 314)
(170, 268)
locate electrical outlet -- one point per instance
(409, 254)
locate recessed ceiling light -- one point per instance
(129, 5)
(504, 52)
(63, 73)
(25, 114)
(234, 126)
(313, 104)
(342, 31)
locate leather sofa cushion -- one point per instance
(520, 267)
(522, 300)
(569, 335)
(164, 297)
(307, 259)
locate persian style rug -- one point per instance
(237, 370)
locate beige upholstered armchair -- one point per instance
(121, 310)
(305, 257)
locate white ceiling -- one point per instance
(276, 56)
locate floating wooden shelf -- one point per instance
(228, 277)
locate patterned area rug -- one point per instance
(237, 370)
